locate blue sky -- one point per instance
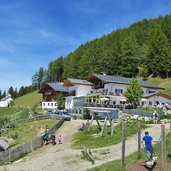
(35, 32)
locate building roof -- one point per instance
(58, 87)
(157, 94)
(124, 80)
(78, 81)
(5, 98)
(3, 144)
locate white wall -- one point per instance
(82, 90)
(5, 102)
(117, 99)
(112, 87)
(69, 102)
(158, 98)
(49, 105)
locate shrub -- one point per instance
(3, 121)
(11, 125)
(14, 136)
(86, 114)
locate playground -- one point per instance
(113, 143)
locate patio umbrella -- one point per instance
(123, 100)
(143, 100)
(104, 99)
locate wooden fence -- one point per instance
(11, 154)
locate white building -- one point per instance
(99, 90)
(77, 89)
(6, 101)
(114, 87)
(157, 98)
(50, 92)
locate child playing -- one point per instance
(60, 139)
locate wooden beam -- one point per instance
(123, 144)
(92, 117)
(101, 133)
(112, 127)
(139, 140)
(163, 134)
(170, 132)
(109, 118)
(98, 123)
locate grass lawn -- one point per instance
(168, 148)
(116, 164)
(13, 113)
(27, 131)
(165, 83)
(28, 100)
(91, 139)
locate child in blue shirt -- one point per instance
(148, 145)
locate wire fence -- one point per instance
(138, 112)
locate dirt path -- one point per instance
(63, 158)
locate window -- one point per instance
(43, 104)
(118, 91)
(48, 104)
(55, 104)
(151, 91)
(51, 104)
(150, 102)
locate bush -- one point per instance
(3, 121)
(86, 114)
(11, 125)
(14, 136)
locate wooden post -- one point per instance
(109, 118)
(98, 123)
(92, 117)
(123, 144)
(163, 134)
(170, 131)
(112, 127)
(139, 140)
(101, 133)
(106, 128)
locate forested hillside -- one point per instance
(141, 50)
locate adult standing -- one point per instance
(155, 117)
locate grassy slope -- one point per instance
(165, 83)
(13, 113)
(30, 100)
(28, 130)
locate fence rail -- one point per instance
(138, 112)
(11, 154)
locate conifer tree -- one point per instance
(134, 92)
(159, 57)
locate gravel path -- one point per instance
(63, 158)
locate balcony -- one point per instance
(100, 105)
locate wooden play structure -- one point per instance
(88, 152)
(110, 115)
